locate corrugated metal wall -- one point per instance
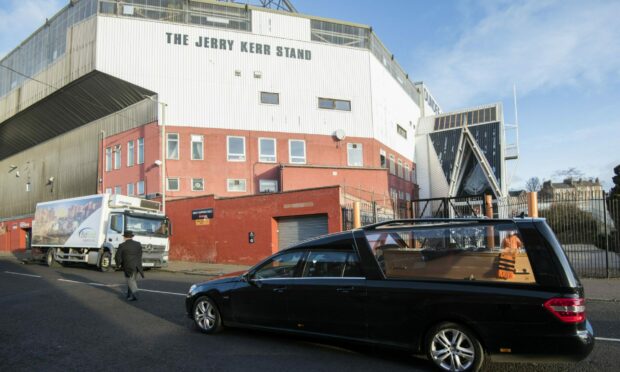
(71, 159)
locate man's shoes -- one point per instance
(132, 298)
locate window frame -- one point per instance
(228, 154)
(130, 186)
(202, 146)
(117, 158)
(140, 185)
(347, 252)
(140, 150)
(202, 180)
(168, 179)
(399, 168)
(334, 104)
(131, 158)
(245, 184)
(261, 181)
(392, 164)
(359, 147)
(108, 159)
(290, 152)
(383, 159)
(118, 190)
(260, 149)
(178, 142)
(277, 95)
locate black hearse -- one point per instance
(456, 290)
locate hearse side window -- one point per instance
(282, 266)
(456, 251)
(331, 264)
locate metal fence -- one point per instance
(374, 207)
(586, 223)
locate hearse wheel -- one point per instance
(452, 347)
(105, 264)
(50, 260)
(206, 315)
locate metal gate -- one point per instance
(292, 230)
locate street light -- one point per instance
(163, 151)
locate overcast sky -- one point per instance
(563, 56)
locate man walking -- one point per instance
(129, 258)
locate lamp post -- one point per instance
(163, 152)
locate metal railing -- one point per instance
(585, 223)
(374, 207)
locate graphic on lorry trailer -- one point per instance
(74, 222)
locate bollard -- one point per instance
(357, 223)
(488, 204)
(532, 204)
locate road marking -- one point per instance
(154, 291)
(118, 285)
(608, 339)
(30, 275)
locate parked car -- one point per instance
(459, 291)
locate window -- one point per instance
(402, 131)
(116, 223)
(140, 187)
(267, 150)
(482, 251)
(118, 190)
(282, 266)
(406, 174)
(407, 196)
(382, 159)
(108, 159)
(198, 184)
(197, 147)
(235, 148)
(267, 186)
(330, 264)
(297, 151)
(400, 168)
(334, 104)
(172, 146)
(140, 150)
(270, 98)
(108, 190)
(236, 185)
(117, 157)
(130, 154)
(355, 155)
(392, 165)
(172, 184)
(130, 189)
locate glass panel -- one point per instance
(198, 184)
(130, 154)
(462, 251)
(236, 185)
(267, 149)
(236, 148)
(173, 184)
(268, 186)
(282, 266)
(343, 105)
(297, 151)
(197, 147)
(326, 264)
(355, 154)
(326, 103)
(173, 146)
(140, 150)
(270, 98)
(140, 187)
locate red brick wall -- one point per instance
(13, 235)
(321, 150)
(225, 238)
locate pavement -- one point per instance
(596, 289)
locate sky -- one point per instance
(563, 57)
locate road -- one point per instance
(52, 319)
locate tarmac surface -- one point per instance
(76, 318)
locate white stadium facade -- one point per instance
(212, 102)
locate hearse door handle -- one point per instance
(279, 289)
(344, 289)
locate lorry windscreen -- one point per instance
(147, 226)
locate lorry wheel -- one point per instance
(105, 264)
(49, 258)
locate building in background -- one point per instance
(234, 102)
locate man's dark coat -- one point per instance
(129, 257)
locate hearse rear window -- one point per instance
(456, 251)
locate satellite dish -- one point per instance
(339, 134)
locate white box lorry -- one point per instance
(89, 229)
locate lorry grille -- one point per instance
(153, 248)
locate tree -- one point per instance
(571, 172)
(533, 184)
(615, 191)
